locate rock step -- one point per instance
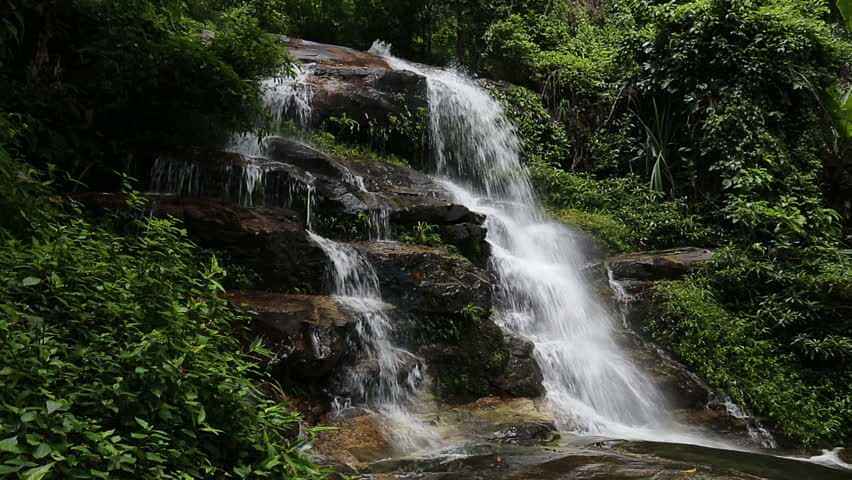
(633, 273)
(362, 87)
(339, 194)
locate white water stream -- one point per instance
(284, 96)
(592, 386)
(387, 377)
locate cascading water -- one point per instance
(283, 97)
(390, 381)
(542, 295)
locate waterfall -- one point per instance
(591, 384)
(387, 378)
(283, 97)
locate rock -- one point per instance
(683, 389)
(307, 333)
(362, 87)
(634, 272)
(205, 172)
(355, 185)
(470, 239)
(531, 433)
(354, 441)
(306, 51)
(362, 376)
(271, 240)
(522, 375)
(338, 190)
(444, 303)
(428, 280)
(518, 421)
(845, 455)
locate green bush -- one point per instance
(733, 350)
(98, 82)
(624, 213)
(121, 360)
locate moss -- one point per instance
(339, 145)
(617, 236)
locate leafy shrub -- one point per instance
(422, 233)
(622, 211)
(733, 350)
(120, 359)
(97, 82)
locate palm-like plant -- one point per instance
(657, 148)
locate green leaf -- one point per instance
(42, 451)
(10, 445)
(845, 7)
(53, 406)
(30, 281)
(143, 423)
(37, 473)
(7, 469)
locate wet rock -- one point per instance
(470, 239)
(522, 376)
(362, 87)
(617, 460)
(312, 52)
(362, 374)
(337, 193)
(469, 366)
(354, 441)
(444, 303)
(271, 240)
(635, 272)
(845, 455)
(683, 389)
(516, 421)
(307, 333)
(353, 185)
(532, 433)
(205, 172)
(428, 280)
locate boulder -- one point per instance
(522, 375)
(361, 377)
(428, 280)
(354, 441)
(272, 241)
(306, 333)
(444, 315)
(353, 185)
(337, 193)
(632, 273)
(518, 421)
(529, 433)
(387, 104)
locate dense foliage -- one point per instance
(728, 112)
(120, 358)
(426, 30)
(91, 84)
